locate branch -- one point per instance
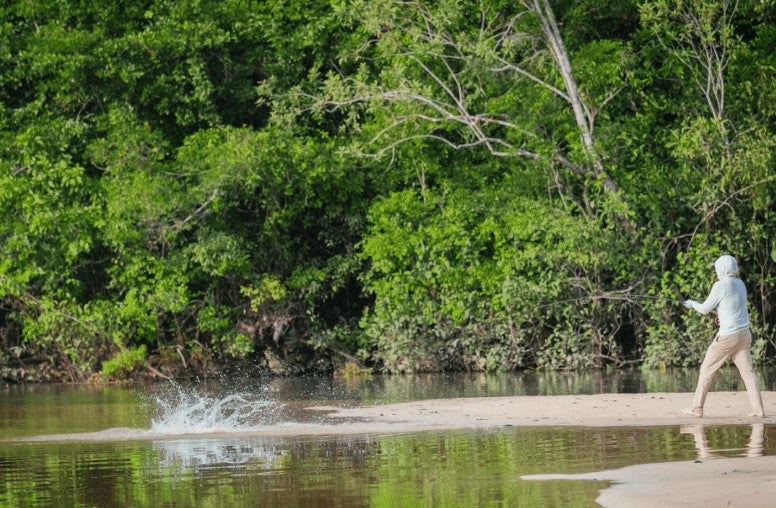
(488, 142)
(724, 203)
(199, 210)
(447, 65)
(512, 67)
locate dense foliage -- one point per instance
(189, 186)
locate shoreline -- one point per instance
(736, 481)
(476, 413)
(707, 481)
(600, 410)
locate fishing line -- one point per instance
(621, 298)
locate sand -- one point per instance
(605, 410)
(741, 481)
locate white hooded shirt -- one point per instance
(728, 296)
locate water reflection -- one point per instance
(197, 456)
(754, 447)
(399, 388)
(454, 468)
(200, 454)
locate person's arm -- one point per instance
(711, 301)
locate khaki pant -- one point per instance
(734, 346)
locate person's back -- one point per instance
(727, 296)
(733, 315)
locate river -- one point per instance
(187, 445)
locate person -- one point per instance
(734, 340)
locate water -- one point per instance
(179, 462)
(187, 410)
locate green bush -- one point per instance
(124, 363)
(485, 280)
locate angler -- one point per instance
(734, 340)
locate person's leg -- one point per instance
(743, 360)
(715, 357)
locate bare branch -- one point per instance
(450, 90)
(199, 209)
(507, 66)
(705, 54)
(726, 203)
(452, 144)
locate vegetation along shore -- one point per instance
(197, 186)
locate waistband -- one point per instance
(742, 331)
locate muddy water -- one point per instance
(450, 468)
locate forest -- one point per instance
(192, 187)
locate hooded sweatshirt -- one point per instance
(728, 296)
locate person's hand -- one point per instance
(689, 303)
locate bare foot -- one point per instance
(696, 412)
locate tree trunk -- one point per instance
(584, 120)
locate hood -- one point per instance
(726, 266)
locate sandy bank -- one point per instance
(604, 410)
(742, 481)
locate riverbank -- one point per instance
(707, 481)
(602, 410)
(740, 481)
(610, 430)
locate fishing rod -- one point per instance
(680, 300)
(650, 297)
(592, 298)
(622, 297)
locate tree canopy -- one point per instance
(192, 186)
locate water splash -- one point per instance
(192, 411)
